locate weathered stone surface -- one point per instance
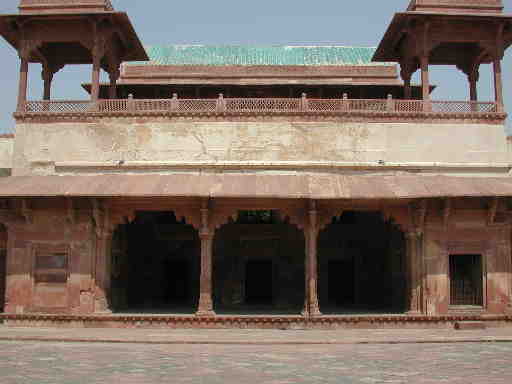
(39, 148)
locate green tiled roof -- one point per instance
(258, 55)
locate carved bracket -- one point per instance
(447, 211)
(70, 211)
(418, 215)
(26, 211)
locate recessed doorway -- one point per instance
(259, 282)
(341, 282)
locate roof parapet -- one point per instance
(64, 6)
(456, 6)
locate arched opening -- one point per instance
(258, 265)
(361, 262)
(155, 265)
(3, 265)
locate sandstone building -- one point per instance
(257, 186)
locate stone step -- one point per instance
(469, 325)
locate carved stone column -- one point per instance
(102, 269)
(47, 75)
(22, 91)
(95, 84)
(311, 307)
(98, 51)
(104, 229)
(425, 82)
(414, 271)
(498, 85)
(114, 76)
(473, 81)
(205, 307)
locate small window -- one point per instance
(51, 266)
(466, 280)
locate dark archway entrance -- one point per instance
(361, 262)
(155, 265)
(258, 265)
(3, 265)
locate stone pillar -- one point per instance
(311, 307)
(47, 79)
(95, 84)
(498, 85)
(103, 270)
(114, 76)
(425, 82)
(205, 307)
(473, 91)
(22, 91)
(414, 272)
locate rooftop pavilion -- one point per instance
(460, 33)
(279, 79)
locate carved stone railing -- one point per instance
(45, 6)
(221, 105)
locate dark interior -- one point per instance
(361, 266)
(258, 265)
(259, 282)
(466, 280)
(156, 265)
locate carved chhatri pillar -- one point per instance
(473, 81)
(96, 67)
(22, 92)
(114, 76)
(47, 74)
(425, 82)
(98, 51)
(498, 85)
(407, 89)
(414, 268)
(205, 307)
(311, 307)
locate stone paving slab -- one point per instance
(255, 337)
(99, 363)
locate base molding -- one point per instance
(248, 321)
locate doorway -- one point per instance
(259, 282)
(341, 282)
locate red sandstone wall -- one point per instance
(467, 233)
(3, 253)
(50, 227)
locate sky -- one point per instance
(262, 22)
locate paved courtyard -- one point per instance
(48, 362)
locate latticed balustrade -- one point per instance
(60, 106)
(264, 106)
